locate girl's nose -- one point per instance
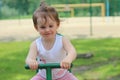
(47, 29)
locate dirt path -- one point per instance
(22, 29)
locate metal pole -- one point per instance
(107, 8)
(0, 8)
(91, 31)
(48, 73)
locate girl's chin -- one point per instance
(47, 36)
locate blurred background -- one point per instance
(92, 26)
(81, 8)
(88, 18)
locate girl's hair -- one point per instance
(43, 12)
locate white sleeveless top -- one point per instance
(55, 55)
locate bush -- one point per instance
(7, 12)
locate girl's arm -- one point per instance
(71, 54)
(31, 57)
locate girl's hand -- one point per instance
(33, 64)
(65, 64)
(31, 57)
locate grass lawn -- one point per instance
(104, 65)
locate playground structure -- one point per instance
(71, 7)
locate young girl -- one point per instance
(50, 47)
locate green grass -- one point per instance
(106, 61)
(104, 65)
(12, 59)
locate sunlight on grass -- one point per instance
(79, 77)
(22, 77)
(102, 72)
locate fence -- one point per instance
(70, 8)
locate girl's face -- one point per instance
(48, 30)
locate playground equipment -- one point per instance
(70, 7)
(48, 67)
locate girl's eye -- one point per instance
(42, 27)
(50, 26)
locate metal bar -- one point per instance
(91, 29)
(48, 73)
(78, 5)
(48, 68)
(107, 8)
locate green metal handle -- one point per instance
(43, 66)
(48, 67)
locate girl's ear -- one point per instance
(35, 26)
(58, 24)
